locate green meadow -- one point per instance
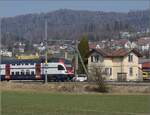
(36, 103)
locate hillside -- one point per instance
(70, 24)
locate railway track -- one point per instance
(141, 83)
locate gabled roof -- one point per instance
(100, 51)
(116, 53)
(143, 41)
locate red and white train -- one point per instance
(56, 70)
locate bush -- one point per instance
(97, 75)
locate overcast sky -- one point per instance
(16, 7)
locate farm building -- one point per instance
(119, 65)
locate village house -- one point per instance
(143, 43)
(123, 43)
(5, 52)
(119, 65)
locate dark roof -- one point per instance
(100, 51)
(116, 53)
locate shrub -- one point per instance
(97, 75)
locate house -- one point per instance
(123, 43)
(20, 47)
(119, 65)
(125, 34)
(143, 43)
(93, 45)
(5, 52)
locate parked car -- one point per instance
(80, 78)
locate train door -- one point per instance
(7, 71)
(38, 71)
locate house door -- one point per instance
(122, 77)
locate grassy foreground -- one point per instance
(32, 103)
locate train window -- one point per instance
(18, 64)
(32, 72)
(32, 64)
(12, 73)
(13, 64)
(60, 67)
(22, 72)
(17, 73)
(27, 72)
(26, 63)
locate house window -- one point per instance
(108, 71)
(130, 58)
(130, 71)
(96, 58)
(92, 59)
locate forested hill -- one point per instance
(71, 24)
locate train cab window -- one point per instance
(27, 72)
(60, 67)
(12, 73)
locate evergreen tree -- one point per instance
(83, 47)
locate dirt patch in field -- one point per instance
(72, 88)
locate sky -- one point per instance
(9, 8)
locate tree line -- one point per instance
(70, 24)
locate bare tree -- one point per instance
(97, 75)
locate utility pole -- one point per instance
(0, 32)
(46, 65)
(76, 59)
(82, 62)
(77, 54)
(0, 42)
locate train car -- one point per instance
(33, 70)
(146, 75)
(146, 71)
(68, 65)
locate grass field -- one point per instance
(33, 103)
